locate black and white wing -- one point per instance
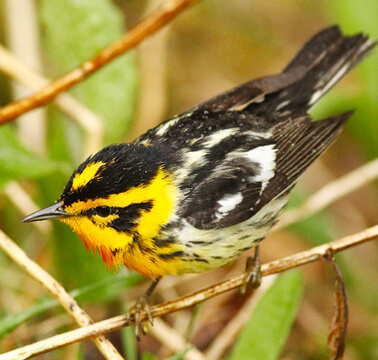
(249, 145)
(228, 192)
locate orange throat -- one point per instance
(144, 258)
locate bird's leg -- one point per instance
(253, 270)
(142, 305)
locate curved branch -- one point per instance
(58, 292)
(118, 322)
(160, 17)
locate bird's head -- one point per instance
(115, 200)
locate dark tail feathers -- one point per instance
(319, 65)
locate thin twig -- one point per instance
(84, 117)
(24, 203)
(146, 27)
(22, 36)
(58, 292)
(330, 193)
(172, 339)
(193, 299)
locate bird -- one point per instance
(193, 193)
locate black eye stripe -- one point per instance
(129, 216)
(130, 210)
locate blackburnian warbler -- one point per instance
(196, 191)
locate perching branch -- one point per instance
(58, 292)
(145, 28)
(118, 322)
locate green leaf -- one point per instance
(269, 325)
(75, 31)
(11, 321)
(148, 356)
(17, 162)
(105, 290)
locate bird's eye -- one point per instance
(103, 211)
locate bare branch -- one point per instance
(174, 340)
(146, 27)
(193, 299)
(85, 118)
(58, 292)
(24, 203)
(330, 193)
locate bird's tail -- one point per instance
(319, 65)
(323, 61)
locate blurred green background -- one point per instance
(209, 48)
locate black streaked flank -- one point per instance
(201, 260)
(162, 243)
(171, 255)
(199, 242)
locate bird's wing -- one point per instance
(248, 178)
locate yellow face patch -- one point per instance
(113, 245)
(89, 173)
(159, 191)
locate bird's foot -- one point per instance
(253, 270)
(136, 312)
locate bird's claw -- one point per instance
(136, 312)
(253, 270)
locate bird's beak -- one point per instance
(52, 212)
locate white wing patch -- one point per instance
(195, 158)
(259, 135)
(217, 137)
(265, 157)
(227, 204)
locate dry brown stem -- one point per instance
(58, 292)
(91, 123)
(330, 193)
(146, 27)
(339, 324)
(118, 322)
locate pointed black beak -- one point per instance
(52, 212)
